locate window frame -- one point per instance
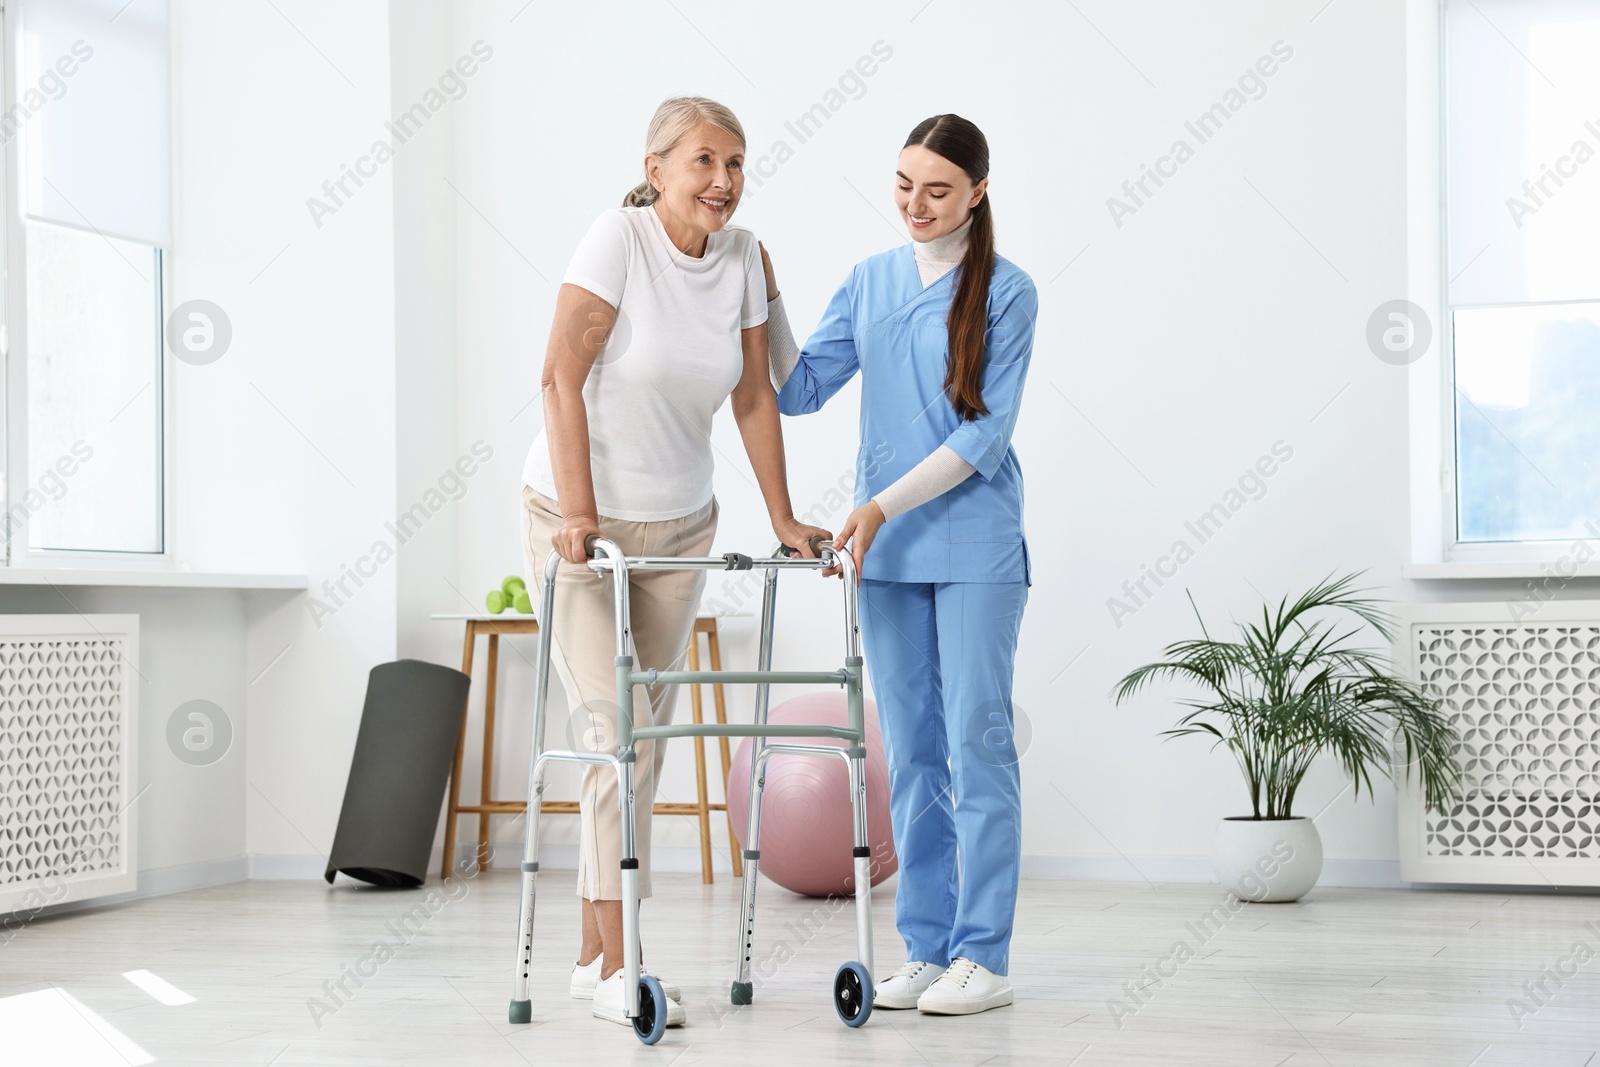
(15, 552)
(1453, 548)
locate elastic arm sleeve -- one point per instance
(782, 351)
(936, 475)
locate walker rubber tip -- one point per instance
(744, 992)
(522, 1011)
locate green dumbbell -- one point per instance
(496, 601)
(513, 585)
(523, 602)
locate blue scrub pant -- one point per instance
(941, 659)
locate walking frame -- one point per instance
(643, 1000)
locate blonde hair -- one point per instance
(673, 121)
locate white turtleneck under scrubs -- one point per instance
(943, 469)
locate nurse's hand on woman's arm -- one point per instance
(857, 534)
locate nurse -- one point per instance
(941, 333)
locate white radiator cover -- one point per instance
(68, 713)
(1524, 695)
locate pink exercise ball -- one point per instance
(807, 835)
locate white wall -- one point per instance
(370, 352)
(421, 34)
(286, 446)
(1174, 350)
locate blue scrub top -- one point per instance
(884, 323)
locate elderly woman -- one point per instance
(660, 318)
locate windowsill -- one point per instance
(147, 579)
(1493, 569)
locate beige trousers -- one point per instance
(663, 605)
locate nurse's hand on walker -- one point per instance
(861, 527)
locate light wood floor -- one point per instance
(1347, 976)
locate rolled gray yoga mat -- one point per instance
(409, 727)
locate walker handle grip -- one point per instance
(815, 543)
(588, 545)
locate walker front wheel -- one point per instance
(852, 994)
(651, 1022)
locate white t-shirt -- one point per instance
(670, 362)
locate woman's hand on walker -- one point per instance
(797, 535)
(569, 540)
(766, 268)
(857, 534)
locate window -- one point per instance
(94, 393)
(85, 126)
(1522, 277)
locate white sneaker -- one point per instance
(584, 980)
(965, 989)
(902, 988)
(608, 1003)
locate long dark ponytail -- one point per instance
(963, 144)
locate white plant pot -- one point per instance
(1267, 860)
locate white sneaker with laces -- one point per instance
(965, 989)
(902, 988)
(608, 1003)
(584, 980)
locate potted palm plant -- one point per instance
(1291, 687)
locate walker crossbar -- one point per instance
(738, 729)
(601, 564)
(853, 983)
(659, 677)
